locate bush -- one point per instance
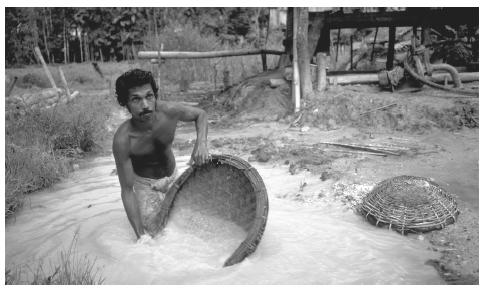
(41, 144)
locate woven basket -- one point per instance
(227, 187)
(409, 204)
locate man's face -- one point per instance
(141, 102)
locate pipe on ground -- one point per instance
(434, 85)
(452, 71)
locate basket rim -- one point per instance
(254, 234)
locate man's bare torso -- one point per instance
(150, 151)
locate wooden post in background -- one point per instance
(321, 59)
(391, 47)
(373, 49)
(46, 69)
(264, 61)
(351, 52)
(303, 51)
(296, 91)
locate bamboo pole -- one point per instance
(208, 54)
(64, 81)
(296, 91)
(46, 69)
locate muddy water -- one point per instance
(302, 244)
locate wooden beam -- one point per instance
(410, 17)
(208, 54)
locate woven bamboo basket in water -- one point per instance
(227, 187)
(409, 204)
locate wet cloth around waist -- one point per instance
(150, 194)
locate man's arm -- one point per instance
(126, 180)
(199, 116)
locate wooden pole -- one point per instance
(208, 54)
(80, 46)
(351, 52)
(303, 57)
(158, 68)
(321, 71)
(337, 45)
(46, 69)
(295, 75)
(65, 41)
(64, 81)
(391, 47)
(373, 49)
(264, 61)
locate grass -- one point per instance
(41, 145)
(69, 268)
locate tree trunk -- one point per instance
(64, 38)
(44, 26)
(303, 53)
(80, 45)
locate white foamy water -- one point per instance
(302, 244)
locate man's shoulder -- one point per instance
(122, 134)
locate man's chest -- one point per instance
(154, 141)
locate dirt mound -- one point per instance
(254, 99)
(363, 106)
(416, 112)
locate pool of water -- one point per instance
(303, 243)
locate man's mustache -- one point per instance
(145, 112)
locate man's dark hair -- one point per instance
(130, 79)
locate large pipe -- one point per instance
(434, 85)
(452, 71)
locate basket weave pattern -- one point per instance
(409, 204)
(229, 188)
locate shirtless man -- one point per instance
(142, 148)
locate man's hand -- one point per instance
(144, 239)
(200, 155)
